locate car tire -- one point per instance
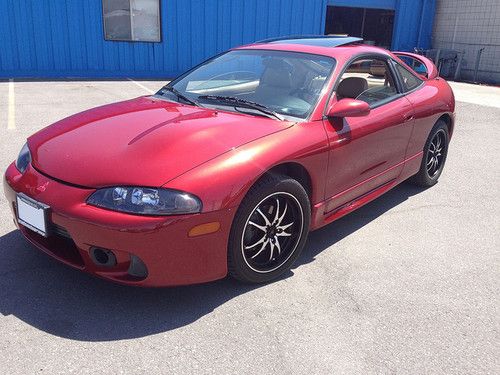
(434, 158)
(269, 230)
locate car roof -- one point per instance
(332, 46)
(314, 40)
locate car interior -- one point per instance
(289, 86)
(369, 80)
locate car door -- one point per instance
(367, 152)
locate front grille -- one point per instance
(60, 231)
(59, 244)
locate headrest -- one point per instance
(377, 69)
(274, 63)
(276, 77)
(351, 87)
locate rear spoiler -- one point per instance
(431, 70)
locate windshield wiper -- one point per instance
(179, 95)
(237, 102)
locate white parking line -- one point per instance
(11, 109)
(141, 86)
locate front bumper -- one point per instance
(171, 256)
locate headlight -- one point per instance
(145, 201)
(23, 159)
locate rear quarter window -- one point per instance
(410, 80)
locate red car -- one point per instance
(227, 168)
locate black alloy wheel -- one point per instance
(434, 157)
(269, 230)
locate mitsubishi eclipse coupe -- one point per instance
(226, 169)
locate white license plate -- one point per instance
(32, 214)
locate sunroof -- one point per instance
(319, 41)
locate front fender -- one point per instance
(224, 181)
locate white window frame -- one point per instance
(131, 19)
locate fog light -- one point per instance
(103, 257)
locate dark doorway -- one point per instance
(373, 25)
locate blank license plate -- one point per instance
(32, 214)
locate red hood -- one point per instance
(144, 141)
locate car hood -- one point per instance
(145, 141)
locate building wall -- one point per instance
(467, 26)
(64, 38)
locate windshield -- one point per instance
(285, 83)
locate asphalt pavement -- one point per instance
(409, 284)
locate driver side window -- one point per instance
(369, 80)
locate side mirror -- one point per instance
(348, 108)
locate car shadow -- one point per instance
(328, 235)
(71, 304)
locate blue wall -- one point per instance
(64, 38)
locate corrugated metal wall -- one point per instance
(64, 38)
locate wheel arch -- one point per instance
(448, 120)
(296, 171)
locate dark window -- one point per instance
(369, 80)
(131, 20)
(410, 81)
(373, 25)
(413, 63)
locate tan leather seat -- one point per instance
(275, 81)
(351, 87)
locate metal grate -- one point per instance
(60, 231)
